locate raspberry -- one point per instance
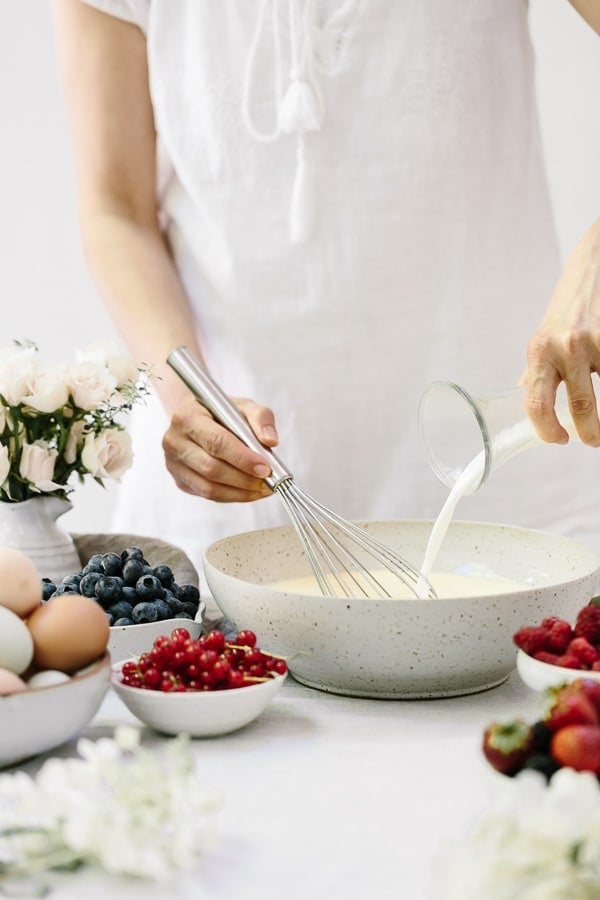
(587, 624)
(584, 651)
(549, 622)
(560, 634)
(531, 639)
(546, 657)
(569, 661)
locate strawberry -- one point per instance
(507, 745)
(591, 688)
(569, 705)
(531, 639)
(569, 661)
(587, 624)
(577, 746)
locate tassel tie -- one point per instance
(299, 109)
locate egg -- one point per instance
(69, 632)
(20, 582)
(16, 643)
(47, 678)
(10, 683)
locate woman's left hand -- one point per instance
(566, 347)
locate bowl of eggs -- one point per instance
(457, 643)
(54, 663)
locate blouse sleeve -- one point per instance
(134, 11)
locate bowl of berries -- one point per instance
(567, 734)
(557, 652)
(203, 687)
(144, 585)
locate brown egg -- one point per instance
(10, 683)
(69, 632)
(20, 582)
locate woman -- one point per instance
(332, 204)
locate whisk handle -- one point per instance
(223, 410)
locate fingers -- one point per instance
(205, 459)
(549, 364)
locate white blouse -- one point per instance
(355, 199)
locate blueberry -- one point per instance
(133, 569)
(148, 569)
(48, 588)
(92, 567)
(164, 575)
(111, 564)
(149, 588)
(190, 609)
(188, 593)
(163, 609)
(71, 579)
(66, 589)
(87, 585)
(121, 609)
(184, 615)
(123, 621)
(544, 763)
(130, 594)
(108, 590)
(144, 612)
(131, 553)
(175, 605)
(111, 618)
(95, 560)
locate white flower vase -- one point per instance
(31, 527)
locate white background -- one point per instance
(46, 293)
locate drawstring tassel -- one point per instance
(302, 206)
(299, 110)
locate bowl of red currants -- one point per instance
(203, 687)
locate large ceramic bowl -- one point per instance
(402, 648)
(39, 719)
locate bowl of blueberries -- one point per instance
(143, 584)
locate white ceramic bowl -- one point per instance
(199, 714)
(126, 641)
(401, 648)
(39, 719)
(540, 675)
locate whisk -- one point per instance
(341, 554)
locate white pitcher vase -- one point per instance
(31, 527)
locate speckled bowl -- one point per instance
(402, 648)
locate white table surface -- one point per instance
(328, 797)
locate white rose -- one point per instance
(4, 464)
(47, 391)
(17, 371)
(37, 465)
(107, 353)
(73, 442)
(90, 384)
(108, 454)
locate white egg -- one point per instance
(16, 642)
(46, 678)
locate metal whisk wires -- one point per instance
(346, 560)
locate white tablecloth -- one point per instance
(330, 798)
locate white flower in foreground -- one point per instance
(538, 841)
(90, 384)
(159, 818)
(37, 465)
(108, 454)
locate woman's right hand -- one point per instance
(206, 459)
